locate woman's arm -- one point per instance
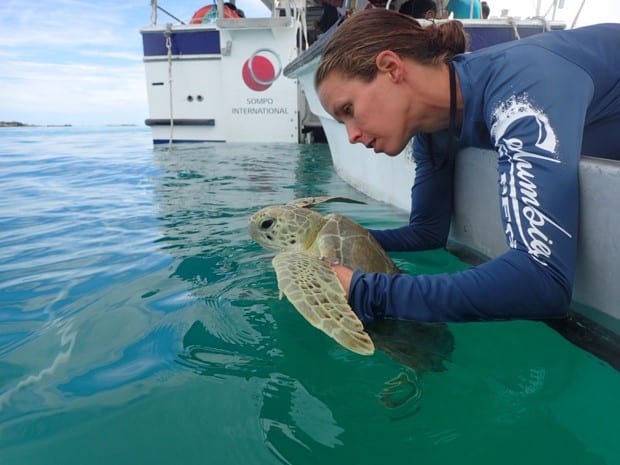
(431, 199)
(538, 133)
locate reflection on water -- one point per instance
(204, 212)
(421, 347)
(141, 324)
(418, 347)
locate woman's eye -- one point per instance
(346, 111)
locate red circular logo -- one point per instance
(259, 71)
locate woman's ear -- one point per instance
(390, 63)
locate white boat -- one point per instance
(476, 225)
(219, 79)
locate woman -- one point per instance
(540, 103)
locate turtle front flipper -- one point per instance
(313, 288)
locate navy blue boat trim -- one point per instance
(183, 43)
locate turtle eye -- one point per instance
(266, 224)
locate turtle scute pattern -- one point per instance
(302, 238)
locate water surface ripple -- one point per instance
(139, 324)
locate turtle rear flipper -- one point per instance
(314, 290)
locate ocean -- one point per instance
(140, 324)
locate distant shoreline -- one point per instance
(18, 124)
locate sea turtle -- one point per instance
(304, 241)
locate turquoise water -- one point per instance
(139, 324)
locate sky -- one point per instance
(79, 62)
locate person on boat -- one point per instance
(233, 7)
(328, 18)
(485, 9)
(423, 9)
(539, 102)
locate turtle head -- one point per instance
(285, 227)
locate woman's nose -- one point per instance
(353, 133)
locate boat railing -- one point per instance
(283, 13)
(155, 8)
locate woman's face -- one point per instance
(374, 113)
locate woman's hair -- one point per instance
(353, 48)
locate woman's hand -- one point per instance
(344, 275)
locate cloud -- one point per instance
(128, 56)
(78, 62)
(54, 93)
(65, 23)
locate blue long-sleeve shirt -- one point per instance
(540, 103)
